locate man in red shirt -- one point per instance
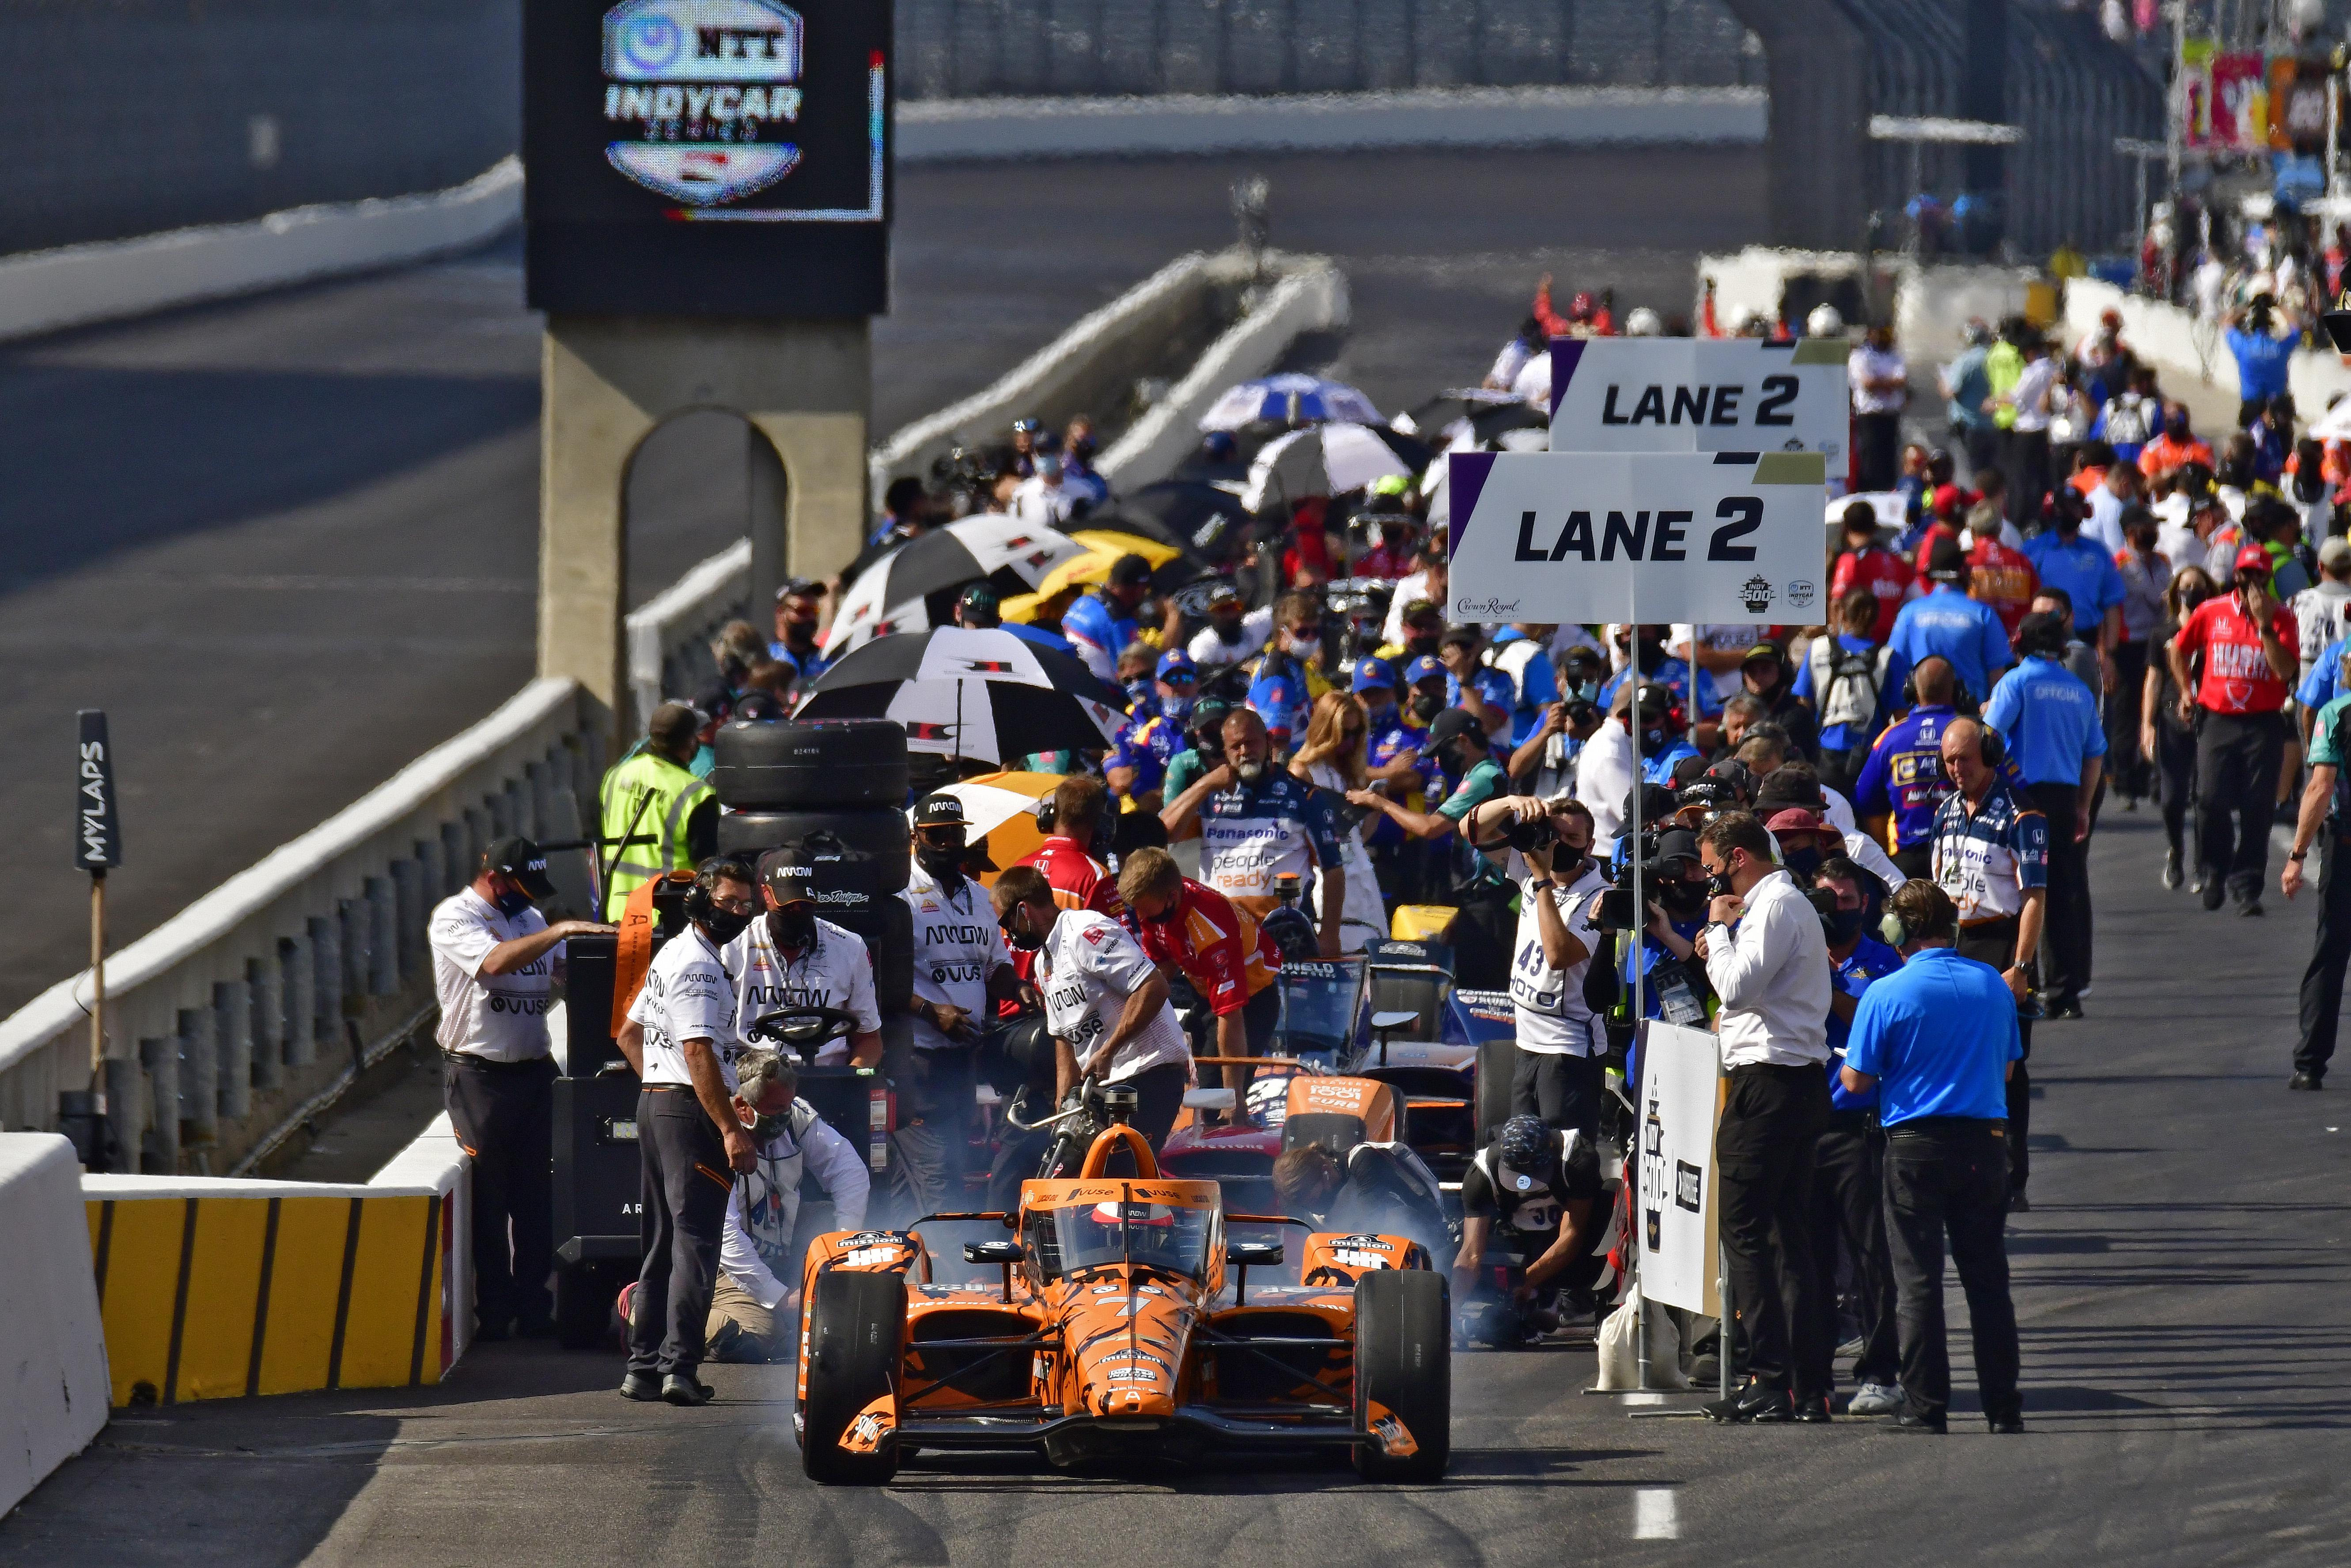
(1866, 564)
(1214, 944)
(2247, 639)
(1997, 575)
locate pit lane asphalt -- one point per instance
(289, 544)
(2180, 1286)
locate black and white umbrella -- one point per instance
(1331, 460)
(961, 693)
(916, 585)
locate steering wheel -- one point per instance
(802, 1030)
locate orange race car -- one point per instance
(1122, 1327)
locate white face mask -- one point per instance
(1305, 647)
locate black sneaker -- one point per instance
(2005, 1425)
(640, 1386)
(2066, 1009)
(2306, 1080)
(686, 1390)
(2018, 1203)
(1753, 1402)
(1907, 1420)
(2214, 891)
(2252, 906)
(1814, 1411)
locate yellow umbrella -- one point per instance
(1103, 548)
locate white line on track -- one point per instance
(1653, 1518)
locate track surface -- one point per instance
(289, 544)
(2187, 1384)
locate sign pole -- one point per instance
(98, 980)
(98, 848)
(1640, 910)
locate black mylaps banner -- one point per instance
(97, 833)
(708, 157)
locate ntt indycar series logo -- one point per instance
(700, 94)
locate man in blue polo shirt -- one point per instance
(1937, 1039)
(1947, 623)
(1902, 783)
(1146, 745)
(2049, 721)
(2068, 559)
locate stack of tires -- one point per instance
(836, 788)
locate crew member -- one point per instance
(791, 958)
(652, 800)
(960, 964)
(1066, 858)
(1101, 624)
(2048, 721)
(752, 1311)
(1992, 855)
(2248, 646)
(681, 1037)
(1106, 1002)
(1935, 1038)
(1218, 947)
(1902, 785)
(1560, 1044)
(494, 960)
(1947, 622)
(2324, 821)
(1257, 822)
(1772, 976)
(1148, 744)
(1537, 1189)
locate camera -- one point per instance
(1666, 855)
(1538, 834)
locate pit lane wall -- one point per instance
(53, 1392)
(2181, 344)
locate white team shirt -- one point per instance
(1553, 1018)
(1046, 506)
(957, 946)
(1256, 627)
(766, 1204)
(1087, 968)
(1773, 977)
(835, 972)
(689, 994)
(499, 1018)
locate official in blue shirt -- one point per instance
(1947, 623)
(1938, 1039)
(1903, 778)
(2065, 558)
(2264, 360)
(1848, 1163)
(2049, 722)
(1534, 684)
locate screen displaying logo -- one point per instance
(702, 95)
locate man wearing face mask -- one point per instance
(1136, 769)
(1483, 928)
(1230, 636)
(1102, 624)
(1288, 677)
(495, 960)
(800, 606)
(1215, 945)
(1257, 822)
(1519, 653)
(791, 958)
(682, 1036)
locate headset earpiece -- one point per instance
(1992, 749)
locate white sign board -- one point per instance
(1677, 1186)
(1569, 536)
(1700, 394)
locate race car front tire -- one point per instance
(1404, 1365)
(1497, 1067)
(857, 1331)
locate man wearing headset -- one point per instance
(1992, 855)
(682, 1038)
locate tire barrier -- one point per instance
(864, 854)
(782, 766)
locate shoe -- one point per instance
(1876, 1399)
(1904, 1421)
(2064, 1010)
(2005, 1425)
(2213, 891)
(2306, 1080)
(686, 1390)
(1813, 1412)
(2171, 871)
(2252, 907)
(1755, 1403)
(642, 1387)
(1850, 1349)
(2018, 1203)
(1706, 1370)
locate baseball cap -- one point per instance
(1425, 667)
(788, 873)
(1783, 790)
(1422, 613)
(1372, 673)
(1461, 637)
(1449, 725)
(1794, 820)
(522, 860)
(1175, 662)
(2335, 551)
(1209, 715)
(2253, 558)
(942, 810)
(1130, 571)
(1947, 562)
(1224, 594)
(1764, 649)
(980, 596)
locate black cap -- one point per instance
(1461, 637)
(1211, 712)
(1678, 843)
(1736, 774)
(1782, 789)
(940, 811)
(525, 862)
(1947, 562)
(788, 873)
(1764, 648)
(1130, 571)
(1452, 723)
(981, 597)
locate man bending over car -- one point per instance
(1538, 1188)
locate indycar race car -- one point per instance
(1122, 1327)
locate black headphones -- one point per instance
(1991, 749)
(699, 905)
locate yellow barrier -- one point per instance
(219, 1290)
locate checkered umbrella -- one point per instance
(961, 693)
(916, 585)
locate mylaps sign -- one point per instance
(1699, 394)
(708, 157)
(1577, 536)
(97, 832)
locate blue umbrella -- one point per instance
(1289, 398)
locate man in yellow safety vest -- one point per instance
(651, 796)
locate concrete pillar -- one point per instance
(607, 382)
(409, 911)
(456, 871)
(264, 981)
(126, 1113)
(383, 940)
(199, 1074)
(327, 986)
(1818, 119)
(233, 1041)
(159, 1147)
(298, 993)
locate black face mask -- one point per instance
(1682, 900)
(1845, 925)
(1017, 937)
(1427, 707)
(1717, 885)
(793, 925)
(512, 903)
(943, 865)
(723, 926)
(1166, 915)
(1801, 864)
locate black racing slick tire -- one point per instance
(864, 853)
(772, 765)
(1404, 1365)
(1497, 1071)
(856, 1333)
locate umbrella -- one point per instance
(1203, 516)
(1170, 568)
(1001, 808)
(1288, 399)
(1468, 414)
(1331, 460)
(916, 586)
(965, 693)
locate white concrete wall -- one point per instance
(52, 1378)
(2178, 344)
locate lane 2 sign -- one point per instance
(1699, 394)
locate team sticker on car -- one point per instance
(872, 1424)
(1389, 1431)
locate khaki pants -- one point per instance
(741, 1330)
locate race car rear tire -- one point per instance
(787, 766)
(1404, 1362)
(1497, 1066)
(872, 861)
(857, 1331)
